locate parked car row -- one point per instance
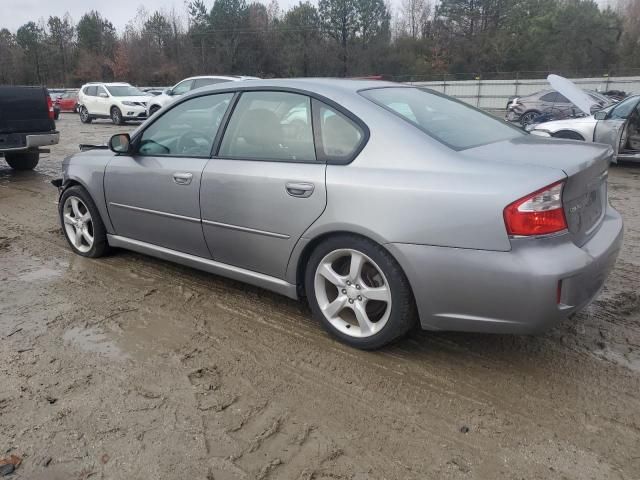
(549, 105)
(122, 102)
(617, 125)
(384, 205)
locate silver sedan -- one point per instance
(384, 205)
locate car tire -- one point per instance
(22, 160)
(74, 205)
(569, 135)
(342, 304)
(116, 116)
(84, 115)
(527, 118)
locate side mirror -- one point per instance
(120, 143)
(600, 115)
(169, 92)
(103, 95)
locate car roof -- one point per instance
(322, 86)
(109, 84)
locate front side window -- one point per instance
(182, 87)
(188, 129)
(624, 108)
(451, 122)
(100, 91)
(270, 126)
(339, 136)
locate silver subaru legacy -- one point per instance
(383, 204)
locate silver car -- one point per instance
(383, 204)
(618, 126)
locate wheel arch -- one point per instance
(577, 134)
(306, 245)
(73, 180)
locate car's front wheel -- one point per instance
(359, 292)
(81, 223)
(84, 115)
(116, 116)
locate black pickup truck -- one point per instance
(26, 125)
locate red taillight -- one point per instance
(539, 213)
(50, 107)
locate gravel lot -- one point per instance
(129, 367)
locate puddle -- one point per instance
(44, 273)
(95, 341)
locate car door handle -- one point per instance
(182, 178)
(300, 189)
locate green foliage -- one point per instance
(338, 37)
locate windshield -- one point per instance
(449, 121)
(125, 91)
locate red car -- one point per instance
(68, 101)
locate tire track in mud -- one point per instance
(234, 382)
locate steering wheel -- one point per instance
(188, 142)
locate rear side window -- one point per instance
(339, 137)
(270, 126)
(90, 91)
(449, 121)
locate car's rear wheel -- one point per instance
(22, 160)
(116, 116)
(529, 118)
(359, 292)
(81, 223)
(84, 115)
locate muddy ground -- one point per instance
(129, 367)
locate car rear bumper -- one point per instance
(18, 141)
(509, 292)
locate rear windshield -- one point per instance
(449, 121)
(125, 91)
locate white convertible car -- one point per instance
(617, 125)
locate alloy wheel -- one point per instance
(78, 224)
(352, 293)
(528, 118)
(84, 114)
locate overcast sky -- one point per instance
(14, 13)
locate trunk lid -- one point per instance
(585, 166)
(24, 110)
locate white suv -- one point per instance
(118, 101)
(188, 84)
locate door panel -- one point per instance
(156, 200)
(609, 131)
(251, 219)
(101, 104)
